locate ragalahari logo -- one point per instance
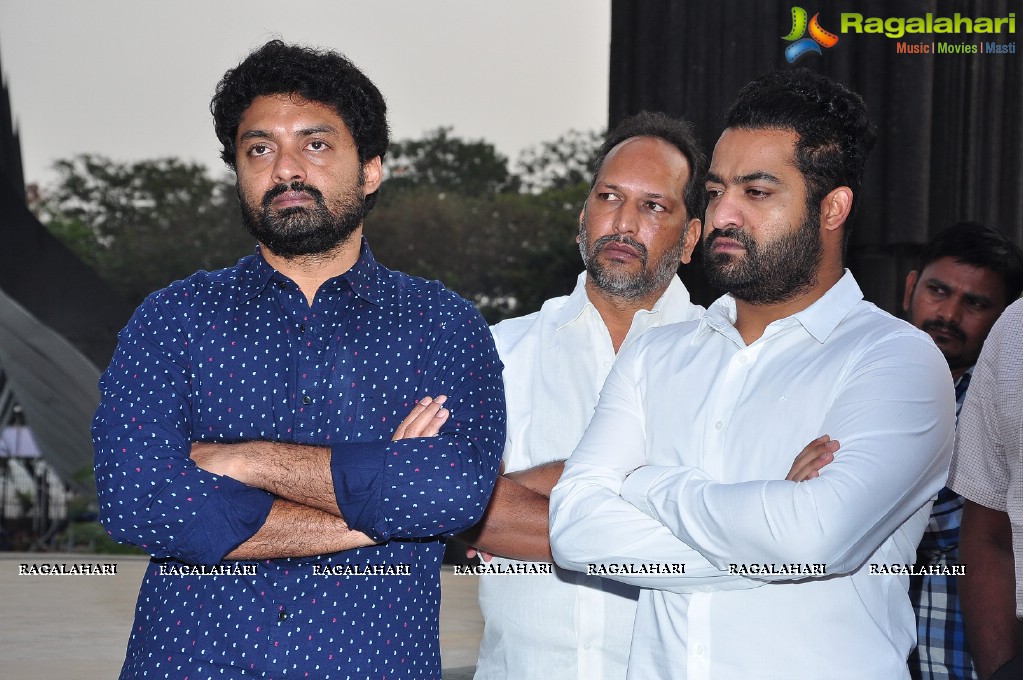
(818, 36)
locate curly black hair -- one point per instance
(315, 75)
(676, 131)
(835, 132)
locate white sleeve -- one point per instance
(894, 418)
(591, 524)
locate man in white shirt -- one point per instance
(677, 483)
(639, 221)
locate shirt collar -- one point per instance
(674, 299)
(363, 278)
(819, 319)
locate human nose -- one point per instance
(288, 168)
(626, 219)
(950, 310)
(723, 211)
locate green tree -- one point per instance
(142, 225)
(448, 163)
(561, 164)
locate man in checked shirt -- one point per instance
(247, 415)
(963, 280)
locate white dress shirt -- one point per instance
(713, 426)
(566, 624)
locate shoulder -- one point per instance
(204, 292)
(510, 332)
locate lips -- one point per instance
(291, 199)
(620, 251)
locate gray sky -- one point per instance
(132, 79)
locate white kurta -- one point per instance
(567, 624)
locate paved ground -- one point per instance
(56, 627)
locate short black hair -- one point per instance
(835, 132)
(978, 245)
(320, 76)
(675, 131)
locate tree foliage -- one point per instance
(450, 209)
(142, 225)
(447, 163)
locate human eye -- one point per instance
(259, 150)
(936, 291)
(606, 196)
(757, 192)
(653, 206)
(317, 145)
(714, 192)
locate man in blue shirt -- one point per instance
(963, 280)
(244, 437)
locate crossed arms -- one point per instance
(893, 413)
(152, 494)
(304, 518)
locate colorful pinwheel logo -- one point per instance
(818, 36)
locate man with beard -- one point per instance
(684, 459)
(637, 225)
(964, 278)
(244, 438)
(639, 222)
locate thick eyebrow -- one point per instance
(972, 298)
(759, 176)
(304, 132)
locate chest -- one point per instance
(312, 375)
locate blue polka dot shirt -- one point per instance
(239, 355)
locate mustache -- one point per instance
(733, 233)
(626, 240)
(949, 327)
(279, 189)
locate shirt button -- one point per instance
(283, 616)
(301, 329)
(307, 400)
(743, 358)
(587, 645)
(719, 425)
(698, 650)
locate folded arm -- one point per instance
(516, 523)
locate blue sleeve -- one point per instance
(423, 487)
(151, 494)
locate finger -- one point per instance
(426, 422)
(402, 431)
(811, 469)
(470, 552)
(809, 455)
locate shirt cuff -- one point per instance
(637, 486)
(357, 470)
(234, 513)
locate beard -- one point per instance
(770, 272)
(618, 281)
(955, 360)
(297, 231)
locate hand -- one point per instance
(472, 552)
(425, 419)
(811, 459)
(218, 459)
